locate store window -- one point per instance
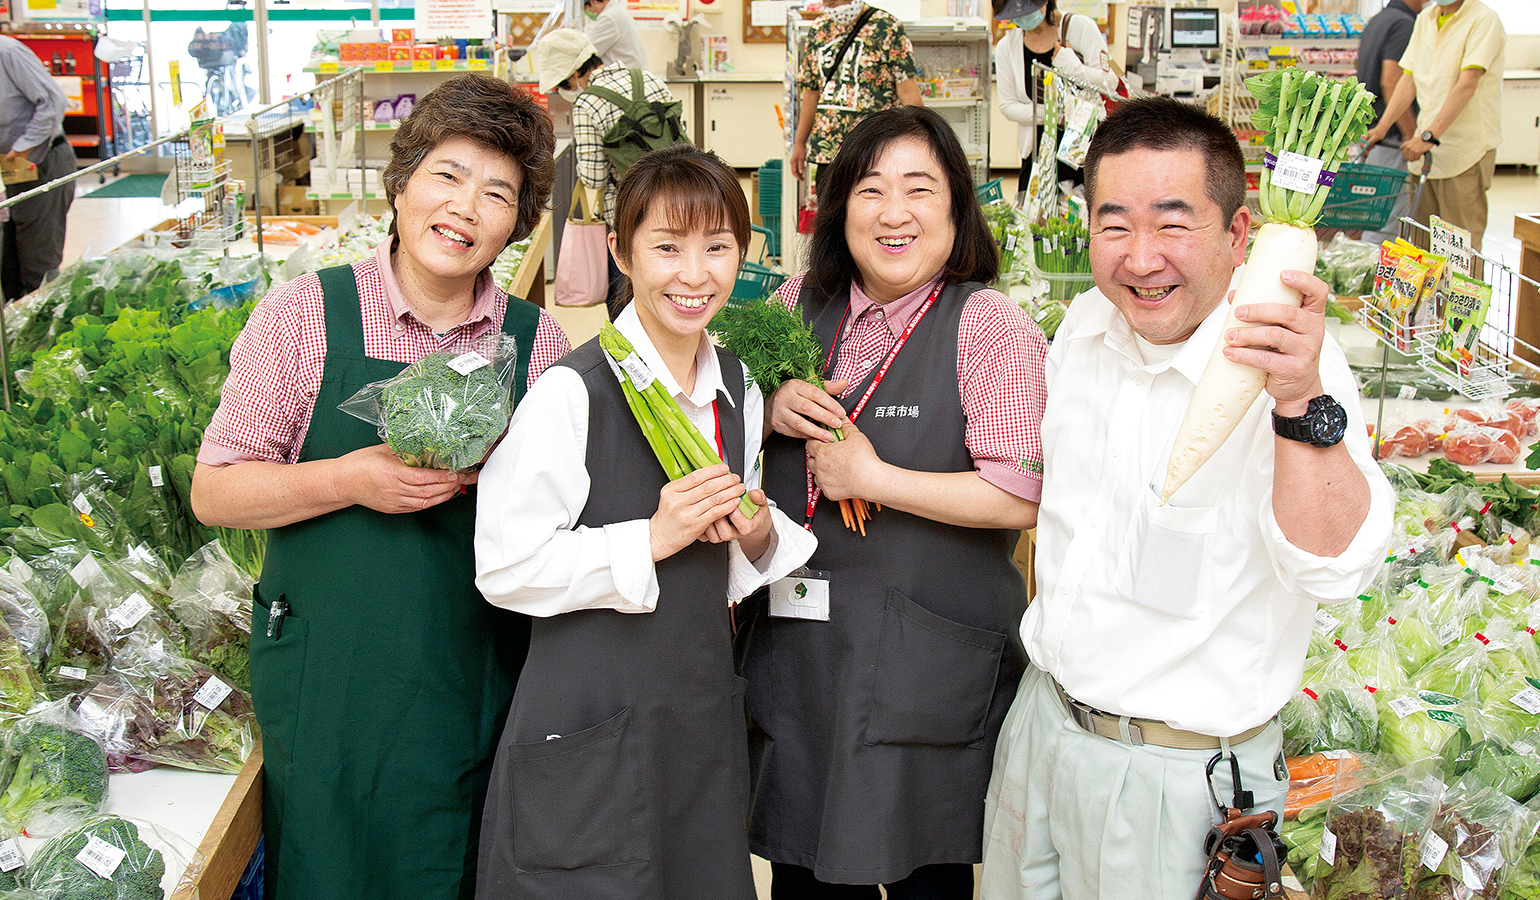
(1519, 16)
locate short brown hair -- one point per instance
(492, 113)
(975, 256)
(696, 190)
(1161, 123)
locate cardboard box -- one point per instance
(401, 52)
(403, 36)
(351, 51)
(292, 202)
(17, 171)
(375, 51)
(425, 51)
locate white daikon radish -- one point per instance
(1227, 389)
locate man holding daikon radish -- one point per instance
(1164, 633)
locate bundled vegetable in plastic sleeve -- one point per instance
(1512, 768)
(1347, 266)
(1375, 659)
(211, 599)
(1414, 640)
(445, 411)
(20, 684)
(113, 858)
(106, 612)
(1419, 724)
(1316, 778)
(201, 722)
(1371, 843)
(60, 774)
(1300, 719)
(13, 862)
(1478, 832)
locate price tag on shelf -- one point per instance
(100, 857)
(384, 65)
(1433, 850)
(422, 65)
(476, 65)
(1450, 241)
(1297, 172)
(10, 856)
(444, 65)
(128, 613)
(328, 68)
(212, 693)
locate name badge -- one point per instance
(804, 594)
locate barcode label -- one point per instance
(468, 362)
(1405, 706)
(86, 570)
(1297, 172)
(74, 672)
(156, 479)
(1325, 622)
(1528, 700)
(1363, 190)
(10, 856)
(1433, 850)
(1329, 847)
(82, 504)
(637, 371)
(100, 857)
(129, 612)
(1506, 584)
(1407, 392)
(1449, 633)
(212, 693)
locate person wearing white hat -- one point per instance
(570, 65)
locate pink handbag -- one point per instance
(582, 267)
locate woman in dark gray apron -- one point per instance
(875, 716)
(378, 674)
(623, 768)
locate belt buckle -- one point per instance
(1083, 715)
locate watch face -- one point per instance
(1328, 425)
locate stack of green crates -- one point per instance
(770, 203)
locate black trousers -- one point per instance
(948, 881)
(34, 234)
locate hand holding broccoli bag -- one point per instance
(445, 411)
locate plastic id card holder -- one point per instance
(804, 594)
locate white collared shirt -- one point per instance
(532, 557)
(1197, 613)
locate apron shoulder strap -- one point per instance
(521, 321)
(344, 320)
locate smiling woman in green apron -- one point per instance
(876, 709)
(623, 769)
(379, 675)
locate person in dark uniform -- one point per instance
(32, 130)
(623, 768)
(379, 675)
(875, 712)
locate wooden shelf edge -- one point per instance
(533, 264)
(231, 838)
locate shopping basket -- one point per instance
(1363, 196)
(989, 191)
(755, 280)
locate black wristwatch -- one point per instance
(1428, 138)
(1322, 425)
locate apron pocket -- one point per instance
(277, 677)
(934, 678)
(578, 800)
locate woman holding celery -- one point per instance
(623, 769)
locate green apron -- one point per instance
(382, 694)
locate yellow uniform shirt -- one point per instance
(1471, 38)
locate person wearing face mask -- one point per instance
(379, 675)
(614, 33)
(1455, 64)
(855, 61)
(1071, 44)
(570, 65)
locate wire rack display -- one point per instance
(1068, 111)
(200, 172)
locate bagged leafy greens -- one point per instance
(20, 685)
(1370, 846)
(198, 721)
(211, 600)
(59, 774)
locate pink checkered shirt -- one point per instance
(999, 375)
(277, 362)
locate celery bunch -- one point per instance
(1306, 113)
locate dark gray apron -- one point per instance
(623, 770)
(874, 732)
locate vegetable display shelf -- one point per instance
(392, 125)
(404, 65)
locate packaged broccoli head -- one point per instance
(446, 410)
(13, 863)
(113, 858)
(60, 774)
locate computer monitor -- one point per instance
(1194, 28)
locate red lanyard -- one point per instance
(813, 491)
(721, 452)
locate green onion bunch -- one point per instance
(1060, 246)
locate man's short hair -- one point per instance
(1160, 123)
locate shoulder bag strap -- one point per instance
(850, 37)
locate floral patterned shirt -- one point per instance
(867, 80)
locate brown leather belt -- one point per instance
(1138, 732)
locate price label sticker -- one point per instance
(468, 362)
(1433, 850)
(1325, 622)
(1528, 700)
(444, 65)
(1407, 392)
(82, 504)
(1506, 584)
(212, 693)
(81, 373)
(156, 478)
(100, 857)
(328, 67)
(129, 612)
(1449, 633)
(637, 371)
(1405, 706)
(10, 856)
(384, 65)
(86, 570)
(1328, 847)
(1297, 172)
(476, 65)
(74, 672)
(422, 65)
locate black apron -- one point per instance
(380, 697)
(623, 770)
(874, 732)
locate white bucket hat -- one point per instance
(559, 54)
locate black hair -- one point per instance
(1160, 123)
(588, 65)
(975, 257)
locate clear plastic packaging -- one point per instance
(445, 411)
(60, 773)
(1371, 845)
(20, 684)
(211, 600)
(113, 858)
(198, 720)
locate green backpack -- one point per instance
(644, 125)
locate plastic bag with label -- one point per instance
(200, 722)
(59, 773)
(211, 599)
(1474, 836)
(448, 409)
(114, 858)
(107, 611)
(1371, 845)
(20, 684)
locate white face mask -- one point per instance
(1029, 22)
(847, 13)
(567, 94)
(1446, 2)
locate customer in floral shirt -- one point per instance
(877, 72)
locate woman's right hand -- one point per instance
(375, 477)
(799, 410)
(687, 507)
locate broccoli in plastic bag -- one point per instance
(60, 773)
(13, 865)
(111, 858)
(445, 411)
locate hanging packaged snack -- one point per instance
(1465, 314)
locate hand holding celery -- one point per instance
(1304, 115)
(678, 444)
